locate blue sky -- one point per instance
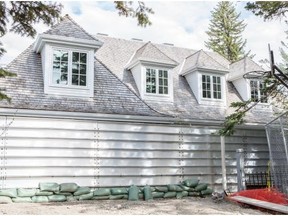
(182, 23)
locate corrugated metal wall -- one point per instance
(106, 153)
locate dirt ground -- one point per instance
(185, 206)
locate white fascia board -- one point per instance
(119, 118)
(44, 38)
(200, 69)
(149, 62)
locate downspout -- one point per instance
(223, 164)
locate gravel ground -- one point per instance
(185, 206)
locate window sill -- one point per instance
(76, 91)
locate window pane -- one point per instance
(165, 74)
(75, 57)
(64, 57)
(254, 90)
(60, 67)
(160, 73)
(206, 86)
(57, 55)
(75, 80)
(165, 90)
(83, 58)
(150, 81)
(56, 78)
(160, 90)
(216, 87)
(263, 94)
(82, 80)
(83, 69)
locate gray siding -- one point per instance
(117, 153)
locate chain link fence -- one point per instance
(277, 135)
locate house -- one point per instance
(103, 111)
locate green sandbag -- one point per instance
(86, 196)
(174, 187)
(161, 189)
(115, 197)
(5, 199)
(194, 194)
(49, 186)
(208, 191)
(9, 192)
(102, 192)
(201, 186)
(57, 198)
(39, 199)
(182, 194)
(68, 187)
(22, 192)
(119, 191)
(191, 182)
(82, 190)
(43, 193)
(125, 196)
(133, 194)
(170, 194)
(185, 188)
(158, 194)
(22, 200)
(100, 197)
(71, 198)
(147, 193)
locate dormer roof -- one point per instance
(241, 67)
(201, 60)
(149, 53)
(67, 31)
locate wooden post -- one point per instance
(224, 180)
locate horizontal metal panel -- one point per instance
(102, 153)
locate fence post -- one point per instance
(240, 169)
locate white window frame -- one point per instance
(212, 87)
(69, 89)
(258, 91)
(69, 72)
(157, 81)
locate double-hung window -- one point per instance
(156, 81)
(257, 91)
(69, 68)
(211, 87)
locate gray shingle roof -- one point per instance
(69, 28)
(202, 60)
(115, 53)
(111, 95)
(115, 91)
(241, 67)
(149, 52)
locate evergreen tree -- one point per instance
(24, 14)
(225, 31)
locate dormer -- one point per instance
(250, 87)
(152, 73)
(206, 78)
(67, 54)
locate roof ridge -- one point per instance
(215, 60)
(154, 110)
(193, 54)
(80, 27)
(164, 53)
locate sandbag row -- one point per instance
(53, 192)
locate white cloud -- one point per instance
(180, 23)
